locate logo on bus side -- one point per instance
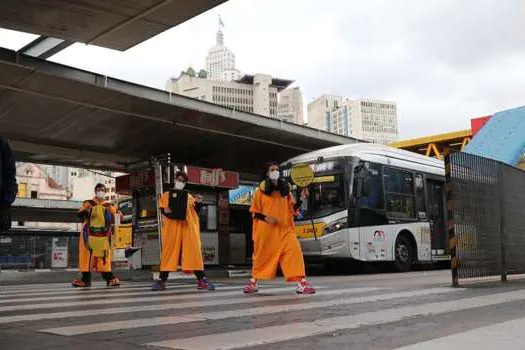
(379, 235)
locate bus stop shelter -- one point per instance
(56, 114)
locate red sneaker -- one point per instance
(80, 284)
(113, 282)
(251, 287)
(204, 284)
(305, 287)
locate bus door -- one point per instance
(436, 210)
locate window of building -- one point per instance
(34, 194)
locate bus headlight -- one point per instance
(336, 226)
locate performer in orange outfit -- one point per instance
(180, 239)
(274, 239)
(85, 255)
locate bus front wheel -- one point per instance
(404, 254)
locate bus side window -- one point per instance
(421, 209)
(399, 188)
(375, 199)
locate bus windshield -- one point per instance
(327, 195)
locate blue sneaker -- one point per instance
(203, 284)
(158, 285)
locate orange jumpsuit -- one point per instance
(98, 264)
(181, 240)
(275, 244)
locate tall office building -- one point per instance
(369, 120)
(225, 85)
(220, 61)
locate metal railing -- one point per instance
(486, 214)
(23, 250)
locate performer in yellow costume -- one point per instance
(274, 239)
(94, 250)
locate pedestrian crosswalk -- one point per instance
(184, 318)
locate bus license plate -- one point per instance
(307, 231)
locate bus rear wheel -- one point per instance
(404, 254)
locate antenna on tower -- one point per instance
(220, 35)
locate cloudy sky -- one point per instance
(442, 61)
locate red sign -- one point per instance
(477, 123)
(134, 181)
(212, 177)
(196, 176)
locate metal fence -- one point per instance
(28, 250)
(486, 213)
(37, 250)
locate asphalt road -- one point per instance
(417, 310)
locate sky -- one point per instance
(442, 61)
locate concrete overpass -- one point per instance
(45, 210)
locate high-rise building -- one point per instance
(290, 105)
(252, 93)
(224, 85)
(319, 111)
(369, 120)
(220, 61)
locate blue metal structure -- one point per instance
(502, 138)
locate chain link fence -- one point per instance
(486, 206)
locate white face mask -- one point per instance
(179, 185)
(100, 194)
(274, 175)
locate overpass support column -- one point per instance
(223, 201)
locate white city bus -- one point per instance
(373, 203)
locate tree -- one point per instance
(191, 72)
(203, 74)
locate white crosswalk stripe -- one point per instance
(153, 297)
(269, 335)
(95, 294)
(174, 306)
(265, 310)
(134, 312)
(505, 335)
(74, 293)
